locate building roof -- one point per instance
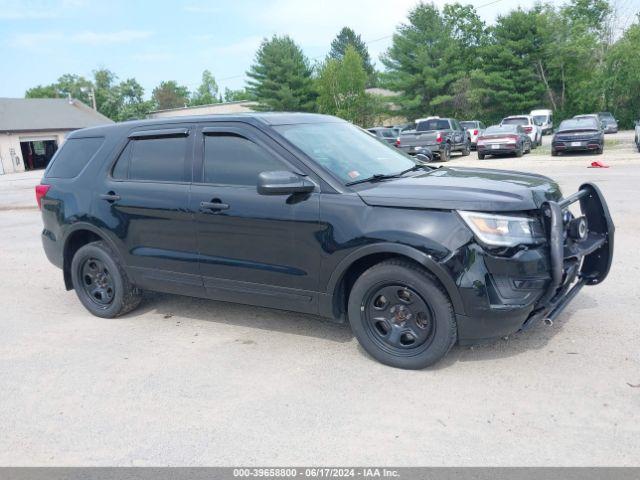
(39, 114)
(207, 105)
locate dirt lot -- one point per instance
(184, 381)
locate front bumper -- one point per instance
(503, 295)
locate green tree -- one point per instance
(207, 92)
(623, 73)
(76, 86)
(428, 55)
(280, 77)
(170, 95)
(236, 95)
(341, 88)
(43, 91)
(509, 83)
(131, 102)
(347, 37)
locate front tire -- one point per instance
(480, 156)
(401, 316)
(101, 282)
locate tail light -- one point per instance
(398, 142)
(41, 191)
(475, 132)
(439, 137)
(528, 129)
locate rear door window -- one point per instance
(74, 155)
(161, 159)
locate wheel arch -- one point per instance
(350, 268)
(79, 235)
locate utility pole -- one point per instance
(93, 98)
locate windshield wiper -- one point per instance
(376, 177)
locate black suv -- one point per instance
(308, 213)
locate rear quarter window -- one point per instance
(74, 155)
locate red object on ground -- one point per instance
(597, 164)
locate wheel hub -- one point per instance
(398, 317)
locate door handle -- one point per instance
(110, 197)
(205, 206)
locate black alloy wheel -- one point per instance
(401, 315)
(398, 319)
(97, 282)
(101, 282)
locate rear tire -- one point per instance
(401, 315)
(480, 156)
(445, 153)
(554, 153)
(519, 152)
(466, 151)
(101, 282)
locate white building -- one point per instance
(32, 129)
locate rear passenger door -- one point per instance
(256, 249)
(145, 202)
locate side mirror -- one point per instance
(423, 158)
(283, 183)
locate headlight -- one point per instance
(502, 230)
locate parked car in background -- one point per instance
(440, 135)
(309, 213)
(544, 117)
(503, 140)
(638, 134)
(609, 121)
(385, 134)
(474, 128)
(528, 124)
(578, 134)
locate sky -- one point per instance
(176, 40)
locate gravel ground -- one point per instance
(184, 381)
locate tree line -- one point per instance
(445, 62)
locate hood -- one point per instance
(478, 189)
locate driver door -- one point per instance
(255, 249)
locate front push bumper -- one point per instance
(503, 295)
(575, 264)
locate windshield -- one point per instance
(345, 150)
(468, 125)
(433, 124)
(586, 123)
(516, 121)
(501, 129)
(541, 118)
(606, 115)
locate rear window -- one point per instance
(579, 124)
(516, 121)
(468, 125)
(73, 156)
(434, 124)
(501, 129)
